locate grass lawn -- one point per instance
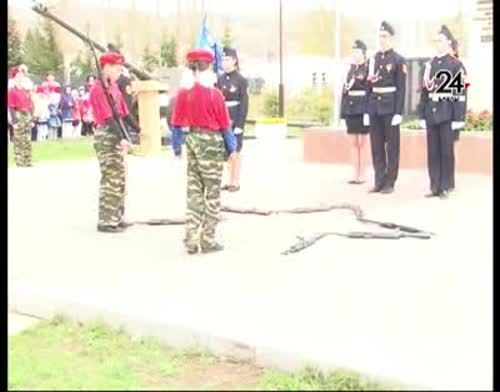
(69, 150)
(61, 354)
(58, 150)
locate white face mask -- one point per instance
(187, 79)
(207, 78)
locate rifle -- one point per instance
(41, 9)
(160, 222)
(393, 226)
(303, 243)
(109, 96)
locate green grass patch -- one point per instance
(61, 150)
(311, 379)
(62, 354)
(58, 150)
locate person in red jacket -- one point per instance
(109, 144)
(200, 107)
(20, 107)
(85, 112)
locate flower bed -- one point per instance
(482, 121)
(474, 122)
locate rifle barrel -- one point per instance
(39, 9)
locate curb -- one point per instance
(37, 304)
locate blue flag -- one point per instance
(206, 40)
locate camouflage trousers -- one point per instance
(205, 155)
(112, 185)
(22, 140)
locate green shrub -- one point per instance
(270, 104)
(311, 105)
(412, 124)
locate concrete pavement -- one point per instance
(413, 310)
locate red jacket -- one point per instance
(100, 106)
(201, 107)
(19, 99)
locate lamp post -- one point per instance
(281, 87)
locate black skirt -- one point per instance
(355, 125)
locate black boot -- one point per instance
(387, 189)
(216, 247)
(109, 229)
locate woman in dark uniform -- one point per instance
(441, 117)
(354, 110)
(234, 87)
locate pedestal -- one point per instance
(148, 98)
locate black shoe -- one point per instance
(387, 189)
(375, 189)
(432, 194)
(192, 251)
(109, 229)
(225, 187)
(124, 224)
(444, 195)
(214, 248)
(233, 188)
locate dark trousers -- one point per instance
(456, 137)
(440, 156)
(384, 139)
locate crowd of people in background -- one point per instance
(59, 112)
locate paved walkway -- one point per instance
(413, 310)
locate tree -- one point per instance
(149, 59)
(41, 52)
(227, 39)
(82, 66)
(319, 30)
(118, 42)
(14, 44)
(56, 57)
(168, 51)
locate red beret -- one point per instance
(111, 58)
(200, 55)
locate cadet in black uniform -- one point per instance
(234, 87)
(387, 86)
(442, 114)
(354, 110)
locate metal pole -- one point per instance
(281, 87)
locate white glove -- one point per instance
(366, 119)
(396, 120)
(237, 131)
(422, 124)
(455, 125)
